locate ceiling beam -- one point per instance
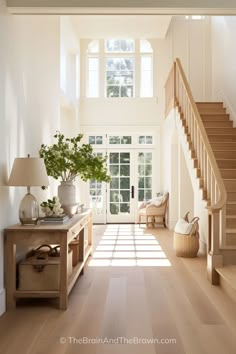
(120, 11)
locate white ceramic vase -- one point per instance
(67, 197)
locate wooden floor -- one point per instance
(135, 289)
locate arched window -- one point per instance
(122, 61)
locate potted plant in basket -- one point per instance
(67, 159)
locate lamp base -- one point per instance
(29, 210)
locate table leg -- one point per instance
(63, 298)
(10, 273)
(81, 248)
(90, 234)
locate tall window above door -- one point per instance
(119, 68)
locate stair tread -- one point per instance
(230, 216)
(228, 272)
(230, 231)
(228, 134)
(231, 202)
(210, 102)
(232, 150)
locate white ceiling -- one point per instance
(102, 26)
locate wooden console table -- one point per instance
(35, 235)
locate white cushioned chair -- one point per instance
(154, 211)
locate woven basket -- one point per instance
(186, 245)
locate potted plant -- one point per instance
(67, 159)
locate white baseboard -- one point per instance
(171, 224)
(2, 301)
(202, 247)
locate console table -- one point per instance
(35, 235)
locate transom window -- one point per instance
(145, 139)
(95, 139)
(117, 140)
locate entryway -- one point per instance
(132, 164)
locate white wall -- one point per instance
(180, 179)
(29, 102)
(223, 62)
(69, 77)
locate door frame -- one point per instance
(105, 147)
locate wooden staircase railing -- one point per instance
(178, 94)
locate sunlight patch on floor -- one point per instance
(128, 246)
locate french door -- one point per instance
(132, 162)
(132, 172)
(121, 190)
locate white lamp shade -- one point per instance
(28, 171)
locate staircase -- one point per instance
(211, 139)
(222, 137)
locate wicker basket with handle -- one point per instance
(187, 245)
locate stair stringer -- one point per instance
(200, 205)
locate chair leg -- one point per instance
(164, 222)
(153, 221)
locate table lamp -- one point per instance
(28, 171)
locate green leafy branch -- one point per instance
(66, 160)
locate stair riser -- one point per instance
(231, 196)
(231, 209)
(222, 138)
(230, 223)
(215, 117)
(230, 239)
(218, 124)
(212, 110)
(225, 154)
(223, 146)
(228, 290)
(221, 131)
(230, 185)
(224, 164)
(228, 173)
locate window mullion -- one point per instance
(102, 71)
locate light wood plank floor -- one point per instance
(134, 288)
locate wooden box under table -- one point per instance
(42, 275)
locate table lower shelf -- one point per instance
(56, 293)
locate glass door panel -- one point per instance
(120, 206)
(145, 178)
(97, 198)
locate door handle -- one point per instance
(132, 192)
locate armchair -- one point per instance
(154, 214)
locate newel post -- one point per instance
(214, 258)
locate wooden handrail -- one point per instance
(220, 203)
(178, 94)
